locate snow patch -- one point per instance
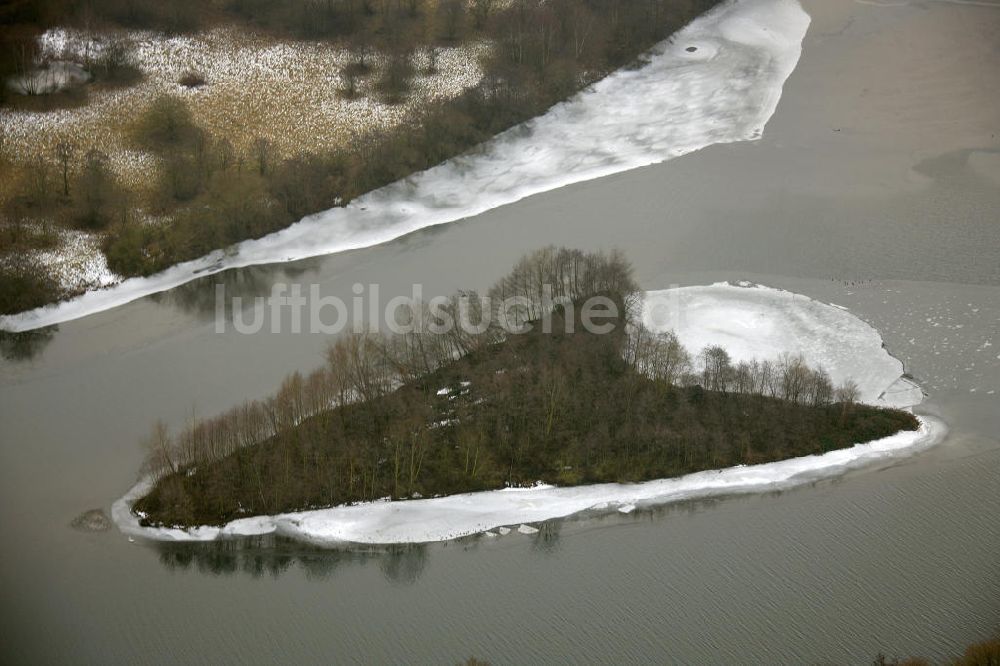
(76, 261)
(50, 78)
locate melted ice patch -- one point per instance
(678, 102)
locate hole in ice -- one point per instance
(691, 49)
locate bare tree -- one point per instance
(349, 75)
(796, 377)
(583, 24)
(820, 388)
(394, 81)
(27, 82)
(846, 395)
(262, 150)
(97, 190)
(64, 153)
(452, 18)
(160, 453)
(716, 368)
(481, 10)
(38, 177)
(431, 66)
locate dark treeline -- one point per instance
(424, 414)
(986, 653)
(216, 195)
(622, 21)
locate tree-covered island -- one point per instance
(424, 414)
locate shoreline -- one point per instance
(679, 102)
(457, 516)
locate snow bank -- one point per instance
(680, 101)
(752, 321)
(444, 518)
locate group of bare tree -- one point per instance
(788, 377)
(553, 276)
(365, 367)
(73, 186)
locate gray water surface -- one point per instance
(876, 186)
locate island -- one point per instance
(555, 394)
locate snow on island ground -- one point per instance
(725, 90)
(749, 320)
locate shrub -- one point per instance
(309, 183)
(25, 284)
(17, 232)
(394, 82)
(192, 79)
(96, 192)
(167, 124)
(73, 97)
(116, 66)
(180, 178)
(981, 654)
(234, 207)
(132, 251)
(350, 75)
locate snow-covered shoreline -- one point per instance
(456, 516)
(724, 90)
(751, 321)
